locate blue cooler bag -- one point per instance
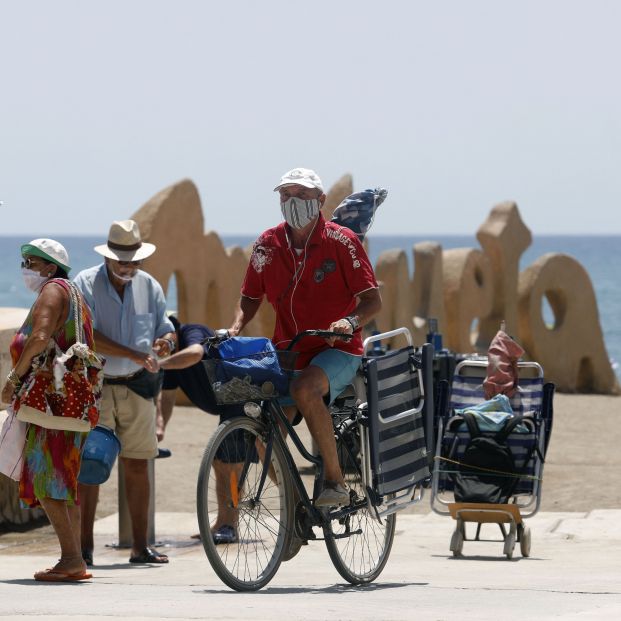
(100, 452)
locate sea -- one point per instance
(599, 255)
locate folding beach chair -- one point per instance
(528, 444)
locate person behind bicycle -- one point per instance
(316, 275)
(184, 370)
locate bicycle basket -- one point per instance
(254, 373)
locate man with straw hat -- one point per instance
(131, 330)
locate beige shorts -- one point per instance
(133, 419)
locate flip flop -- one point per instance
(149, 555)
(56, 575)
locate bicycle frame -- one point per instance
(274, 416)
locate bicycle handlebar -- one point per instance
(218, 337)
(221, 335)
(324, 334)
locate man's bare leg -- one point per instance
(89, 495)
(308, 390)
(164, 408)
(227, 513)
(137, 491)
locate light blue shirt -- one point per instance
(135, 321)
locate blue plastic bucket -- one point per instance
(100, 452)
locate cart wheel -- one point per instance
(457, 542)
(509, 545)
(525, 541)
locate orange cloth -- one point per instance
(502, 372)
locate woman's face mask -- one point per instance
(33, 280)
(298, 212)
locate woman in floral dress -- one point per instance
(51, 457)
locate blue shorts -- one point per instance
(339, 366)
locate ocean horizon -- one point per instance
(598, 254)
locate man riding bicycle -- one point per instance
(316, 275)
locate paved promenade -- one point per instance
(574, 573)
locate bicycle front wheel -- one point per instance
(359, 544)
(229, 493)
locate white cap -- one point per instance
(300, 176)
(125, 243)
(48, 249)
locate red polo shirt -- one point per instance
(310, 290)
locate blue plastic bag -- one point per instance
(254, 357)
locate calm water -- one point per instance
(600, 255)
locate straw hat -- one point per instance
(124, 243)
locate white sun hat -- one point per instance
(125, 243)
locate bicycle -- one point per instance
(249, 471)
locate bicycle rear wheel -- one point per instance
(363, 544)
(228, 491)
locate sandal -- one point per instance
(57, 575)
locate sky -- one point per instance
(453, 106)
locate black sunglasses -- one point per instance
(28, 263)
(128, 263)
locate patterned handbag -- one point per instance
(63, 389)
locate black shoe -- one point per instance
(224, 534)
(162, 453)
(149, 555)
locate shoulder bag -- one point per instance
(63, 389)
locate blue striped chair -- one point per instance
(398, 402)
(533, 400)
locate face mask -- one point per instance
(298, 212)
(123, 278)
(33, 280)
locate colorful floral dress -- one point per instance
(52, 457)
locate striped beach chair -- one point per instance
(398, 412)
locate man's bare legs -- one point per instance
(137, 494)
(308, 390)
(89, 495)
(227, 513)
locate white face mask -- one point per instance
(123, 278)
(33, 280)
(298, 212)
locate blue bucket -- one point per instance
(100, 452)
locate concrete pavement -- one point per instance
(574, 572)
